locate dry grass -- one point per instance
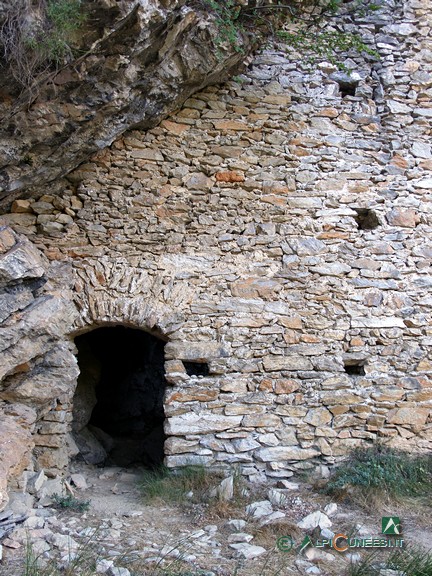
(268, 534)
(36, 35)
(376, 476)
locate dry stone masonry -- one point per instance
(276, 233)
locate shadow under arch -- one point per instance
(118, 411)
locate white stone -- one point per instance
(269, 439)
(239, 537)
(353, 557)
(279, 453)
(332, 269)
(63, 542)
(259, 509)
(313, 570)
(36, 482)
(318, 555)
(225, 490)
(271, 518)
(277, 497)
(398, 107)
(378, 322)
(51, 487)
(363, 530)
(331, 509)
(314, 520)
(39, 546)
(245, 444)
(426, 183)
(236, 524)
(34, 522)
(102, 566)
(191, 423)
(117, 571)
(288, 485)
(79, 481)
(421, 150)
(248, 551)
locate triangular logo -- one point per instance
(391, 525)
(306, 542)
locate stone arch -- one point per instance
(118, 405)
(116, 296)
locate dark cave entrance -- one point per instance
(118, 411)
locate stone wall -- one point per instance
(278, 228)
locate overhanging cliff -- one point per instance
(150, 57)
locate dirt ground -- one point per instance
(196, 539)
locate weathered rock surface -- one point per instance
(149, 58)
(275, 232)
(36, 363)
(16, 444)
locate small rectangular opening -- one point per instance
(355, 369)
(196, 368)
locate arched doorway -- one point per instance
(118, 411)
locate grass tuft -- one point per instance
(70, 503)
(414, 562)
(191, 483)
(378, 472)
(406, 562)
(194, 485)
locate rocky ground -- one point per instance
(128, 537)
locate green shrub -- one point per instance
(380, 470)
(406, 562)
(325, 45)
(37, 36)
(51, 39)
(175, 486)
(70, 503)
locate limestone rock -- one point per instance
(36, 482)
(118, 571)
(278, 453)
(277, 497)
(259, 509)
(318, 417)
(278, 363)
(79, 481)
(169, 44)
(16, 444)
(331, 509)
(194, 423)
(248, 551)
(225, 490)
(318, 555)
(64, 542)
(313, 520)
(405, 218)
(239, 537)
(23, 261)
(414, 416)
(236, 524)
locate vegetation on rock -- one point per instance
(37, 35)
(382, 472)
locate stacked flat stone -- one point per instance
(277, 227)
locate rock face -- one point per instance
(16, 444)
(276, 233)
(37, 363)
(149, 57)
